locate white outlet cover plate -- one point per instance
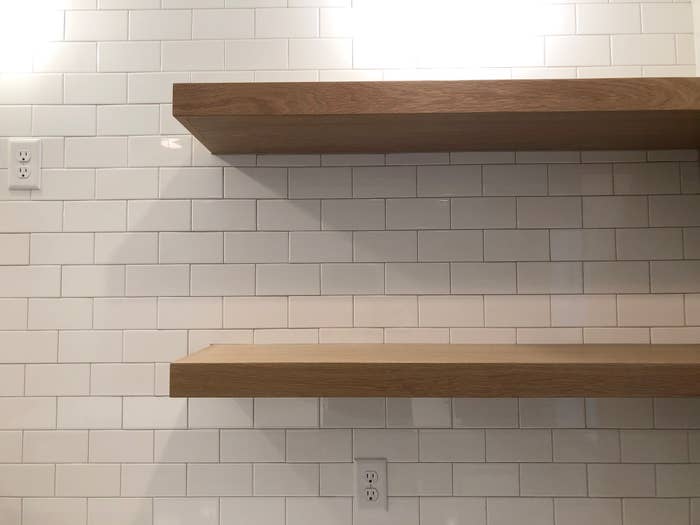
(33, 147)
(378, 465)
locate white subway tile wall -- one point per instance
(141, 247)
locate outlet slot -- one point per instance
(371, 493)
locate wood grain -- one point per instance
(348, 117)
(420, 370)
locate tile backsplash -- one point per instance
(140, 247)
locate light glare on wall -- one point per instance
(25, 28)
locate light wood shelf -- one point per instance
(346, 117)
(438, 370)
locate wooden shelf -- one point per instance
(346, 117)
(422, 370)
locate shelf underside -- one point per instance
(438, 370)
(364, 117)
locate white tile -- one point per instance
(28, 413)
(394, 445)
(154, 345)
(650, 310)
(457, 511)
(554, 479)
(675, 276)
(16, 120)
(549, 212)
(128, 120)
(333, 511)
(350, 335)
(219, 480)
(646, 178)
(479, 278)
(66, 57)
(155, 412)
(160, 151)
(516, 245)
(416, 214)
(222, 279)
(674, 210)
(452, 445)
(191, 446)
(386, 311)
(256, 54)
(384, 246)
(60, 511)
(526, 511)
(189, 312)
(153, 215)
(504, 445)
(222, 23)
(190, 183)
(331, 53)
(27, 480)
(108, 511)
(577, 50)
(483, 212)
(450, 311)
(553, 413)
(196, 55)
(96, 152)
(677, 480)
(66, 185)
(121, 379)
(449, 181)
(612, 212)
(55, 447)
(392, 181)
(420, 479)
(550, 277)
(659, 18)
(57, 380)
(319, 246)
(146, 280)
(337, 479)
(654, 446)
(580, 179)
(643, 49)
(353, 214)
(417, 278)
(251, 511)
(88, 480)
(617, 480)
(223, 215)
(60, 314)
(29, 281)
(449, 245)
(160, 25)
(486, 479)
(577, 511)
(14, 249)
(619, 412)
(12, 380)
(288, 215)
(95, 88)
(539, 336)
(340, 412)
(31, 88)
(522, 179)
(259, 446)
(255, 312)
(646, 512)
(320, 311)
(286, 412)
(519, 311)
(584, 310)
(649, 244)
(323, 446)
(30, 216)
(126, 183)
(89, 412)
(305, 183)
(586, 446)
(608, 19)
(153, 88)
(128, 56)
(125, 248)
(287, 279)
(220, 413)
(121, 446)
(27, 347)
(92, 281)
(288, 22)
(616, 277)
(95, 25)
(255, 183)
(153, 480)
(285, 479)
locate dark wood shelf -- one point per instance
(346, 117)
(435, 370)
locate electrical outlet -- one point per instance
(24, 164)
(371, 485)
